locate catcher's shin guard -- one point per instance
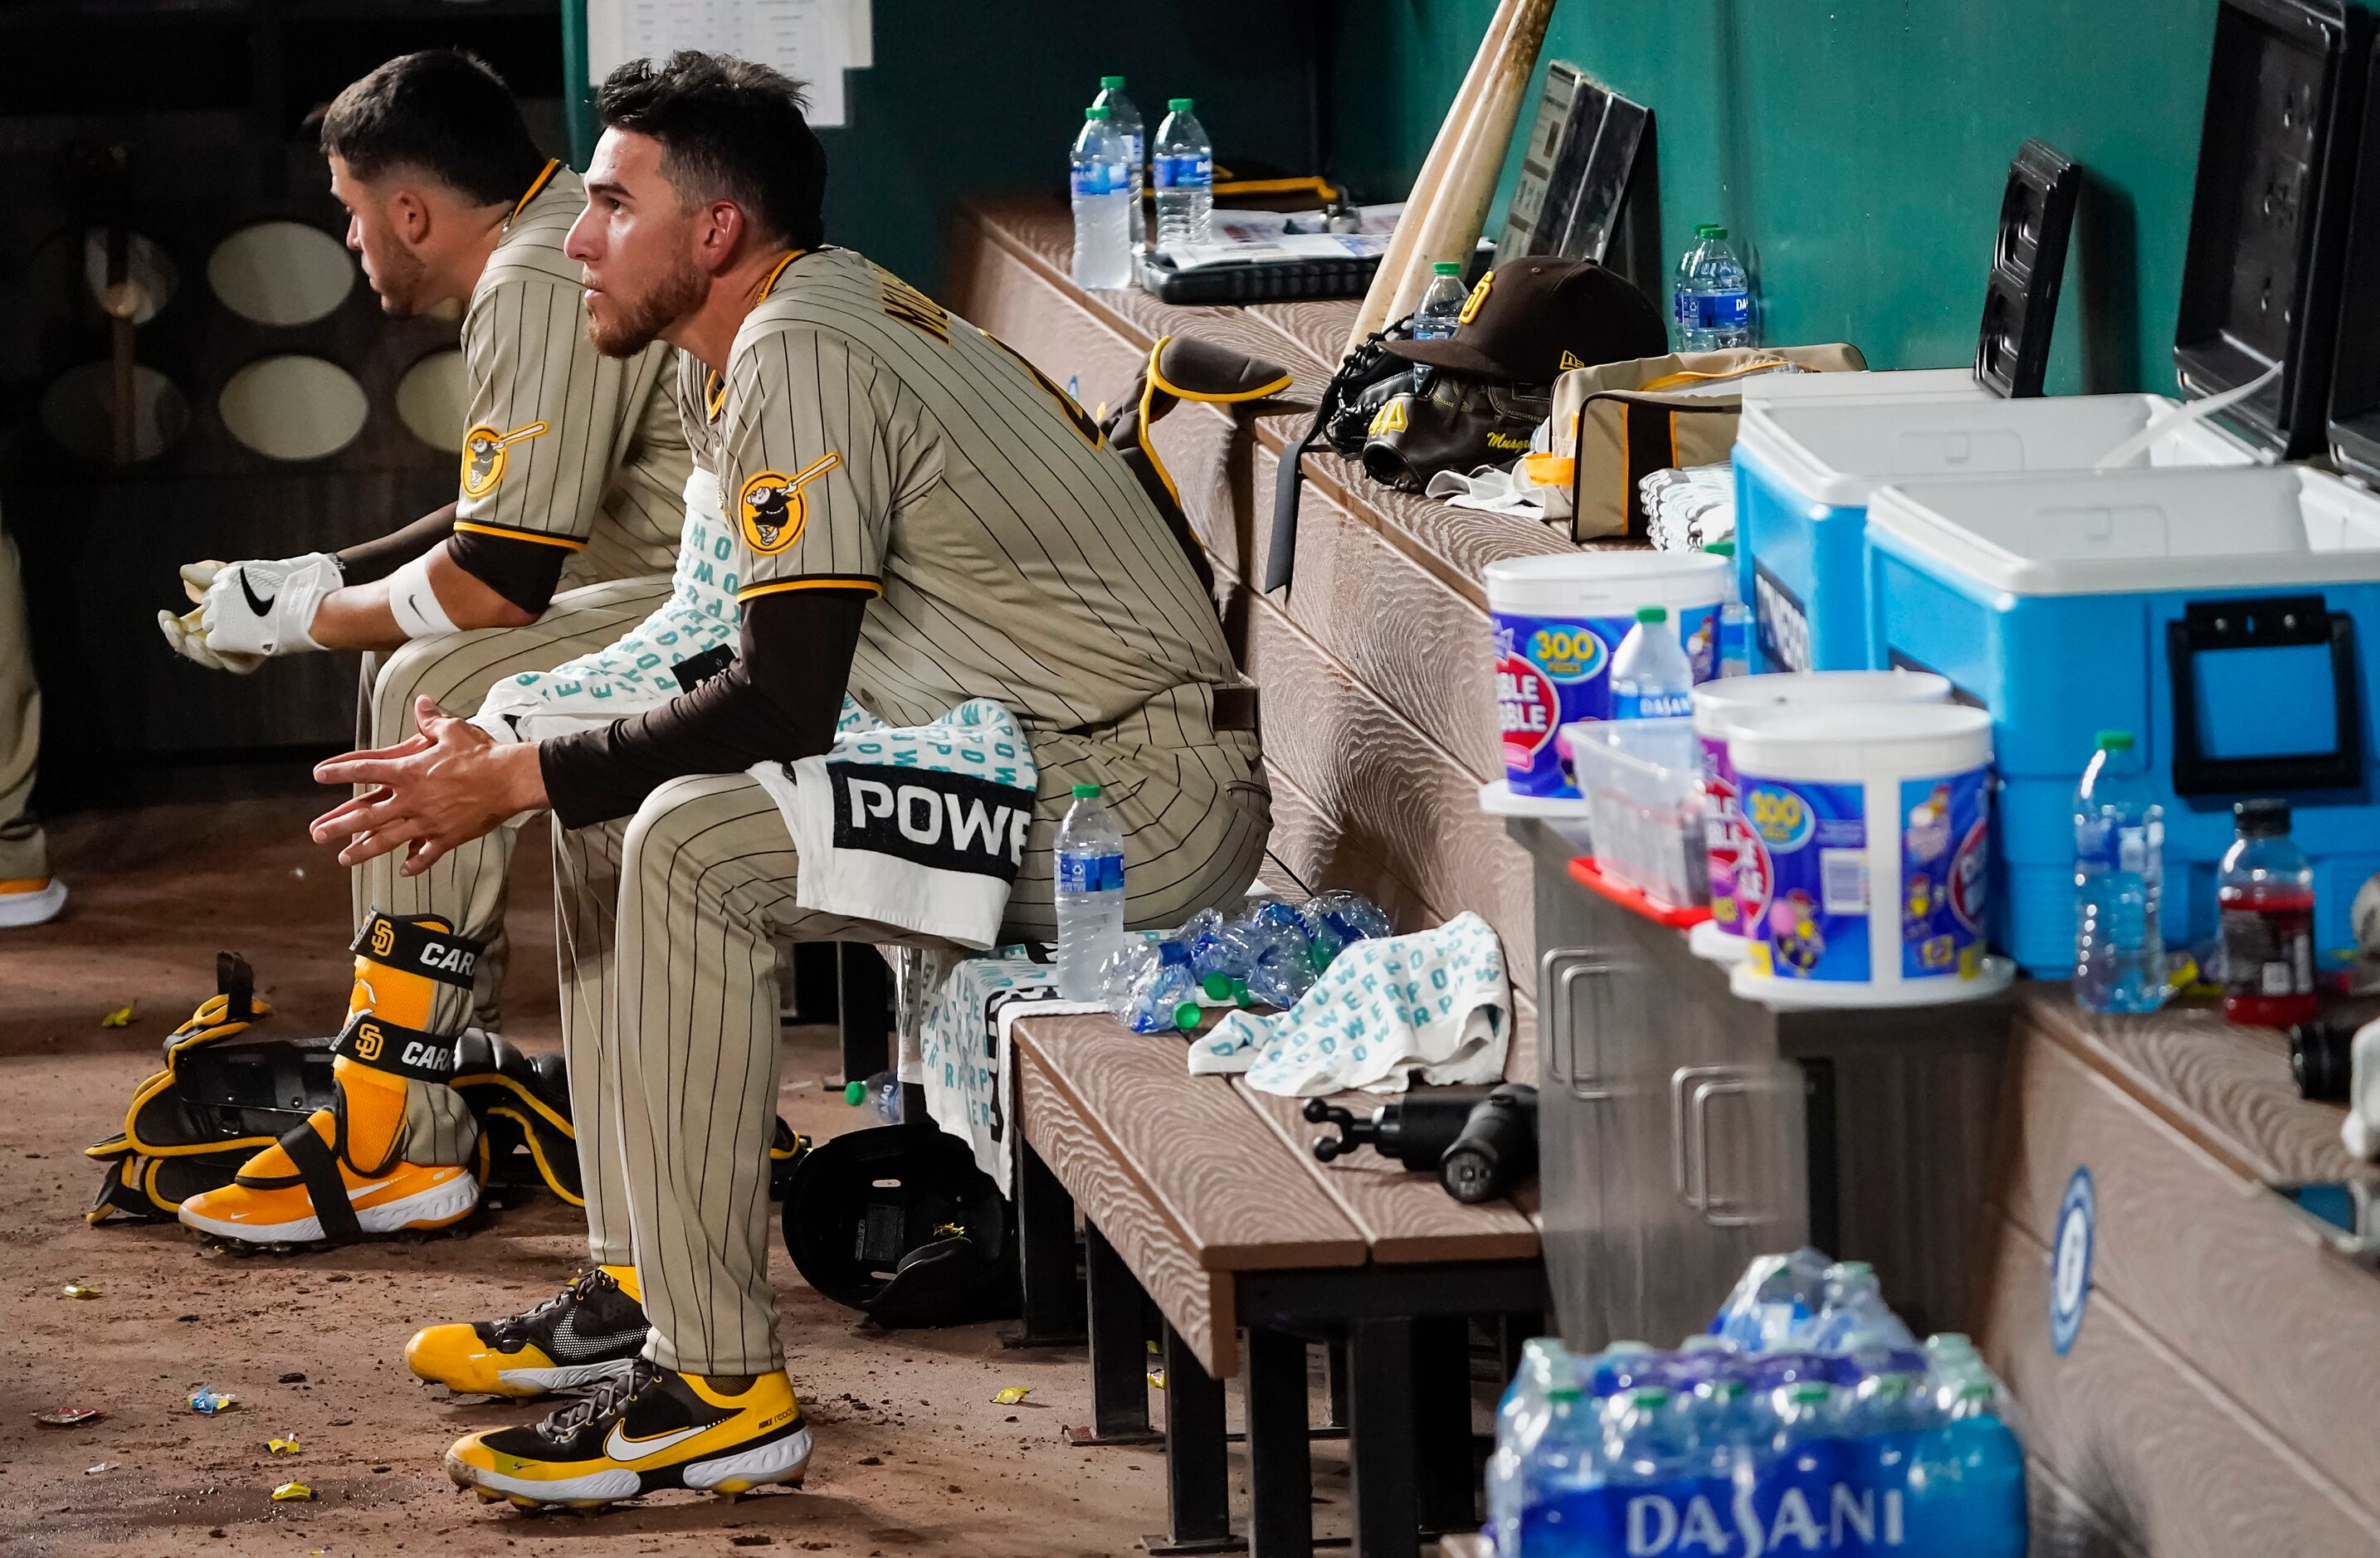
(346, 1171)
(220, 1099)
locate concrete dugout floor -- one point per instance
(914, 1459)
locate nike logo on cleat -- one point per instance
(261, 608)
(622, 1448)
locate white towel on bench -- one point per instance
(1434, 1002)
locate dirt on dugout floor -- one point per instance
(915, 1459)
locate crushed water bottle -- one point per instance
(1712, 297)
(1102, 194)
(1124, 119)
(1148, 984)
(1335, 918)
(880, 1096)
(1185, 165)
(1089, 892)
(2119, 879)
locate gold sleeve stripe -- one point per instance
(815, 581)
(567, 543)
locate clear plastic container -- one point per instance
(1646, 818)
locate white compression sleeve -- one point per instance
(414, 604)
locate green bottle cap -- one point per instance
(855, 1093)
(1240, 993)
(1112, 83)
(2115, 740)
(1447, 268)
(1185, 1016)
(1705, 229)
(1096, 112)
(1178, 104)
(1218, 986)
(1714, 231)
(1652, 613)
(1720, 549)
(1086, 791)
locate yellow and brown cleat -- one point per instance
(590, 1332)
(652, 1428)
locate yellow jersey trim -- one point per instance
(822, 581)
(567, 543)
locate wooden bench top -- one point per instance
(2225, 1087)
(1195, 1179)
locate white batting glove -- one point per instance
(250, 612)
(188, 639)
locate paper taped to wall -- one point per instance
(812, 41)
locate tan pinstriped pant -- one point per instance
(23, 852)
(667, 924)
(466, 888)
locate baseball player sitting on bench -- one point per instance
(916, 516)
(562, 536)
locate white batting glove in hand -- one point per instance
(250, 612)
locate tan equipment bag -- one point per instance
(1617, 423)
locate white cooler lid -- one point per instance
(2131, 531)
(1838, 453)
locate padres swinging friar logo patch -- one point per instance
(771, 508)
(485, 452)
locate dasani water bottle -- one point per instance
(1185, 165)
(1712, 298)
(1124, 119)
(1103, 189)
(2118, 877)
(1090, 895)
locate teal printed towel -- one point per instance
(1433, 1003)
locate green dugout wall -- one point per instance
(1857, 148)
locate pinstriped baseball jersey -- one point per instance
(869, 438)
(566, 447)
(699, 392)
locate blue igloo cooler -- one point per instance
(2229, 619)
(1805, 471)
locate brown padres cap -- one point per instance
(1532, 319)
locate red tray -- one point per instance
(1628, 898)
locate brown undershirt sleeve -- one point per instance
(778, 700)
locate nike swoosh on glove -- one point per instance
(250, 612)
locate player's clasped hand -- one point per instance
(436, 790)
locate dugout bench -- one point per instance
(1204, 1196)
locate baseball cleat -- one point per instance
(652, 1428)
(30, 900)
(589, 1333)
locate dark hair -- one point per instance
(729, 130)
(444, 113)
